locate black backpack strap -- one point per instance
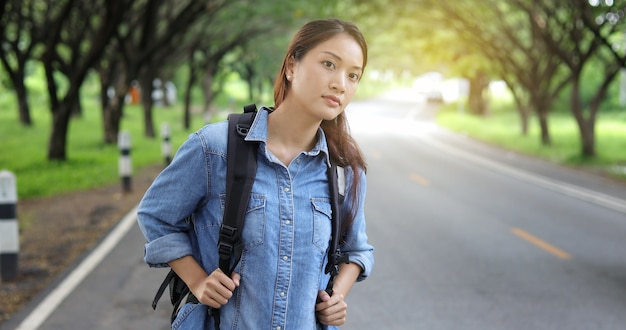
(336, 184)
(179, 292)
(164, 285)
(240, 175)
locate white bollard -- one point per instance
(125, 165)
(166, 149)
(9, 234)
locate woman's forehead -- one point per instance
(343, 47)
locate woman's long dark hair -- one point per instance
(343, 149)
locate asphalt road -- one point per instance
(467, 237)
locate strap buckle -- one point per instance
(225, 250)
(243, 129)
(337, 258)
(228, 232)
(226, 245)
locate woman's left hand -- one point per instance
(331, 310)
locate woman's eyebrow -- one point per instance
(339, 58)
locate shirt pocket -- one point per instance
(254, 222)
(322, 228)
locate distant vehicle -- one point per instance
(434, 96)
(428, 86)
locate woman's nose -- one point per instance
(338, 83)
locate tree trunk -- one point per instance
(190, 83)
(22, 101)
(586, 127)
(477, 88)
(113, 106)
(58, 136)
(543, 125)
(148, 122)
(111, 119)
(542, 104)
(587, 137)
(77, 109)
(146, 101)
(522, 110)
(207, 88)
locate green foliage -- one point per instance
(592, 76)
(502, 128)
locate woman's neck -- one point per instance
(289, 133)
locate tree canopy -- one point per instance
(541, 49)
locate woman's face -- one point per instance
(325, 79)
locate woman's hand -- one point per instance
(331, 310)
(216, 289)
(213, 290)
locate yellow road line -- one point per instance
(542, 244)
(421, 180)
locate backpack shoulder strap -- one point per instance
(240, 175)
(336, 185)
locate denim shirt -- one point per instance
(286, 229)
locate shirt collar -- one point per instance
(258, 132)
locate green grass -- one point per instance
(503, 128)
(91, 163)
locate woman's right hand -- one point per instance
(216, 289)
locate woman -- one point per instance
(279, 282)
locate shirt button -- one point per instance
(285, 258)
(282, 294)
(277, 328)
(286, 189)
(287, 222)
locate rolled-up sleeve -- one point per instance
(356, 245)
(164, 211)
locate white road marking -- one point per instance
(50, 303)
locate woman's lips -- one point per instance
(332, 100)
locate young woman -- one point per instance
(279, 282)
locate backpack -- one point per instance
(240, 175)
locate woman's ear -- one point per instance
(290, 69)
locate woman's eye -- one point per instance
(354, 76)
(329, 64)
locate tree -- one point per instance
(581, 34)
(150, 41)
(516, 51)
(248, 38)
(20, 35)
(258, 59)
(79, 43)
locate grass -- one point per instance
(91, 163)
(503, 128)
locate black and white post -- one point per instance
(125, 165)
(166, 149)
(9, 234)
